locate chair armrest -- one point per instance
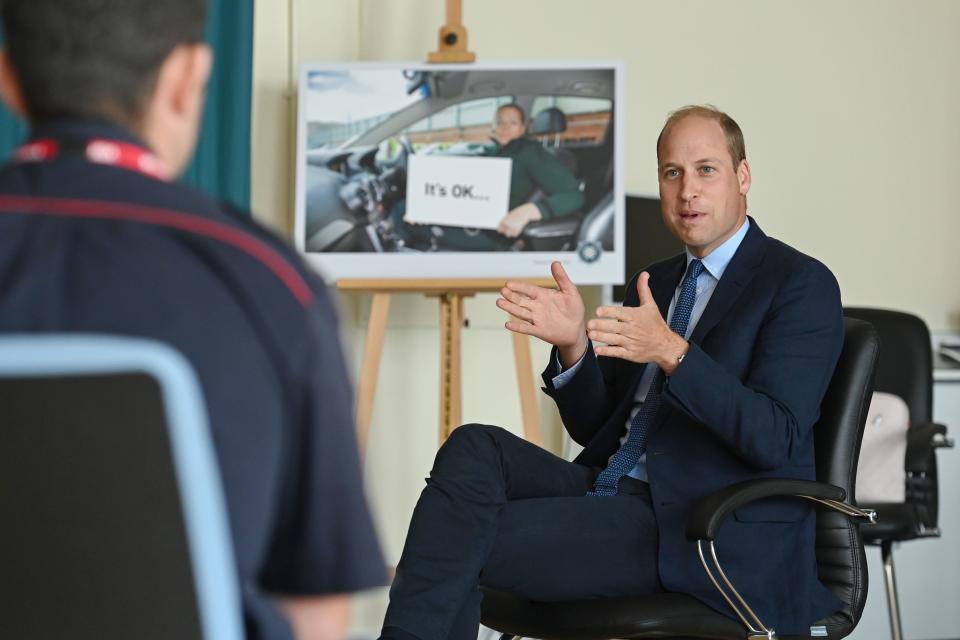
(922, 440)
(708, 514)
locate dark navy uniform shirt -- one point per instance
(89, 247)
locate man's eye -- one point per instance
(671, 173)
(707, 170)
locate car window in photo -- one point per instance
(587, 119)
(460, 129)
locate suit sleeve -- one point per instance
(587, 399)
(763, 417)
(563, 196)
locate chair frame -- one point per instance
(707, 517)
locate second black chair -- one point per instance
(905, 369)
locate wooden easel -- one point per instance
(452, 39)
(451, 48)
(451, 294)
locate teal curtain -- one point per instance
(221, 165)
(12, 131)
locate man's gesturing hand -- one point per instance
(554, 316)
(637, 334)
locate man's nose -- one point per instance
(690, 187)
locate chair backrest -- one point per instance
(113, 520)
(840, 554)
(552, 122)
(905, 367)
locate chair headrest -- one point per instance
(550, 120)
(905, 366)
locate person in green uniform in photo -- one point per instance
(535, 171)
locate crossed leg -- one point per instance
(502, 512)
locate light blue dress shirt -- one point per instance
(714, 266)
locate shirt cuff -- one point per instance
(563, 377)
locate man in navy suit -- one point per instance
(711, 373)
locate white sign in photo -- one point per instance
(458, 192)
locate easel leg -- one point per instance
(370, 367)
(451, 401)
(528, 395)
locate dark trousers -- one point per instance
(504, 513)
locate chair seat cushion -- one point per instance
(661, 615)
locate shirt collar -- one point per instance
(718, 260)
(84, 129)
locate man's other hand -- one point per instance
(553, 315)
(638, 334)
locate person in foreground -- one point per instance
(94, 237)
(711, 373)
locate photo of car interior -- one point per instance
(355, 173)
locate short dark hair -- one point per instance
(735, 144)
(95, 58)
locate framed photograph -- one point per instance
(408, 170)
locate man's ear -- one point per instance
(171, 119)
(182, 79)
(743, 177)
(10, 86)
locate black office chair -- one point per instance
(905, 369)
(840, 555)
(113, 521)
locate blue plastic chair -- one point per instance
(112, 516)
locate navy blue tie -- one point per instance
(626, 457)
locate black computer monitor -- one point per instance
(647, 239)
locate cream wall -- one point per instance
(851, 112)
(850, 109)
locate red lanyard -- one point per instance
(99, 151)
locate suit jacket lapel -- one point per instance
(739, 273)
(665, 284)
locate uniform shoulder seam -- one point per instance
(172, 219)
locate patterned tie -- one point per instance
(626, 457)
